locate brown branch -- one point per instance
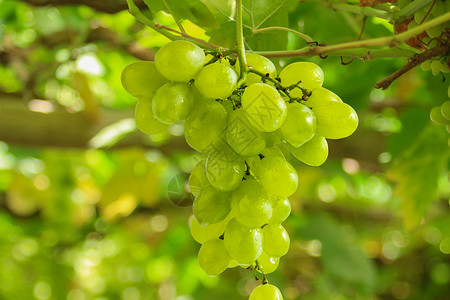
(413, 62)
(107, 6)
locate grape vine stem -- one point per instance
(390, 41)
(243, 68)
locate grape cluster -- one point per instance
(441, 114)
(432, 10)
(242, 184)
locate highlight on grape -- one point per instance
(244, 132)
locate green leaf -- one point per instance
(417, 171)
(195, 11)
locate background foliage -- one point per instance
(85, 209)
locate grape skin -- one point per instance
(250, 205)
(243, 244)
(179, 60)
(141, 79)
(213, 257)
(299, 126)
(211, 206)
(245, 139)
(205, 124)
(313, 153)
(205, 233)
(321, 95)
(267, 264)
(266, 292)
(216, 81)
(172, 103)
(310, 75)
(198, 178)
(277, 176)
(276, 240)
(145, 119)
(335, 120)
(264, 107)
(224, 169)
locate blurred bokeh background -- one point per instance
(91, 209)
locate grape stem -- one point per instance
(243, 68)
(283, 89)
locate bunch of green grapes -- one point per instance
(242, 184)
(432, 10)
(441, 114)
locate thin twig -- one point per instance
(412, 63)
(306, 37)
(390, 41)
(174, 16)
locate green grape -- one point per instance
(243, 244)
(437, 10)
(413, 24)
(281, 210)
(267, 264)
(245, 139)
(335, 120)
(258, 63)
(198, 178)
(310, 75)
(211, 206)
(141, 79)
(216, 81)
(273, 138)
(255, 161)
(224, 168)
(437, 117)
(145, 120)
(299, 126)
(313, 153)
(436, 67)
(205, 233)
(250, 204)
(264, 107)
(179, 60)
(205, 124)
(426, 65)
(266, 292)
(321, 95)
(277, 176)
(276, 240)
(448, 91)
(435, 32)
(419, 15)
(172, 102)
(232, 264)
(445, 109)
(213, 257)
